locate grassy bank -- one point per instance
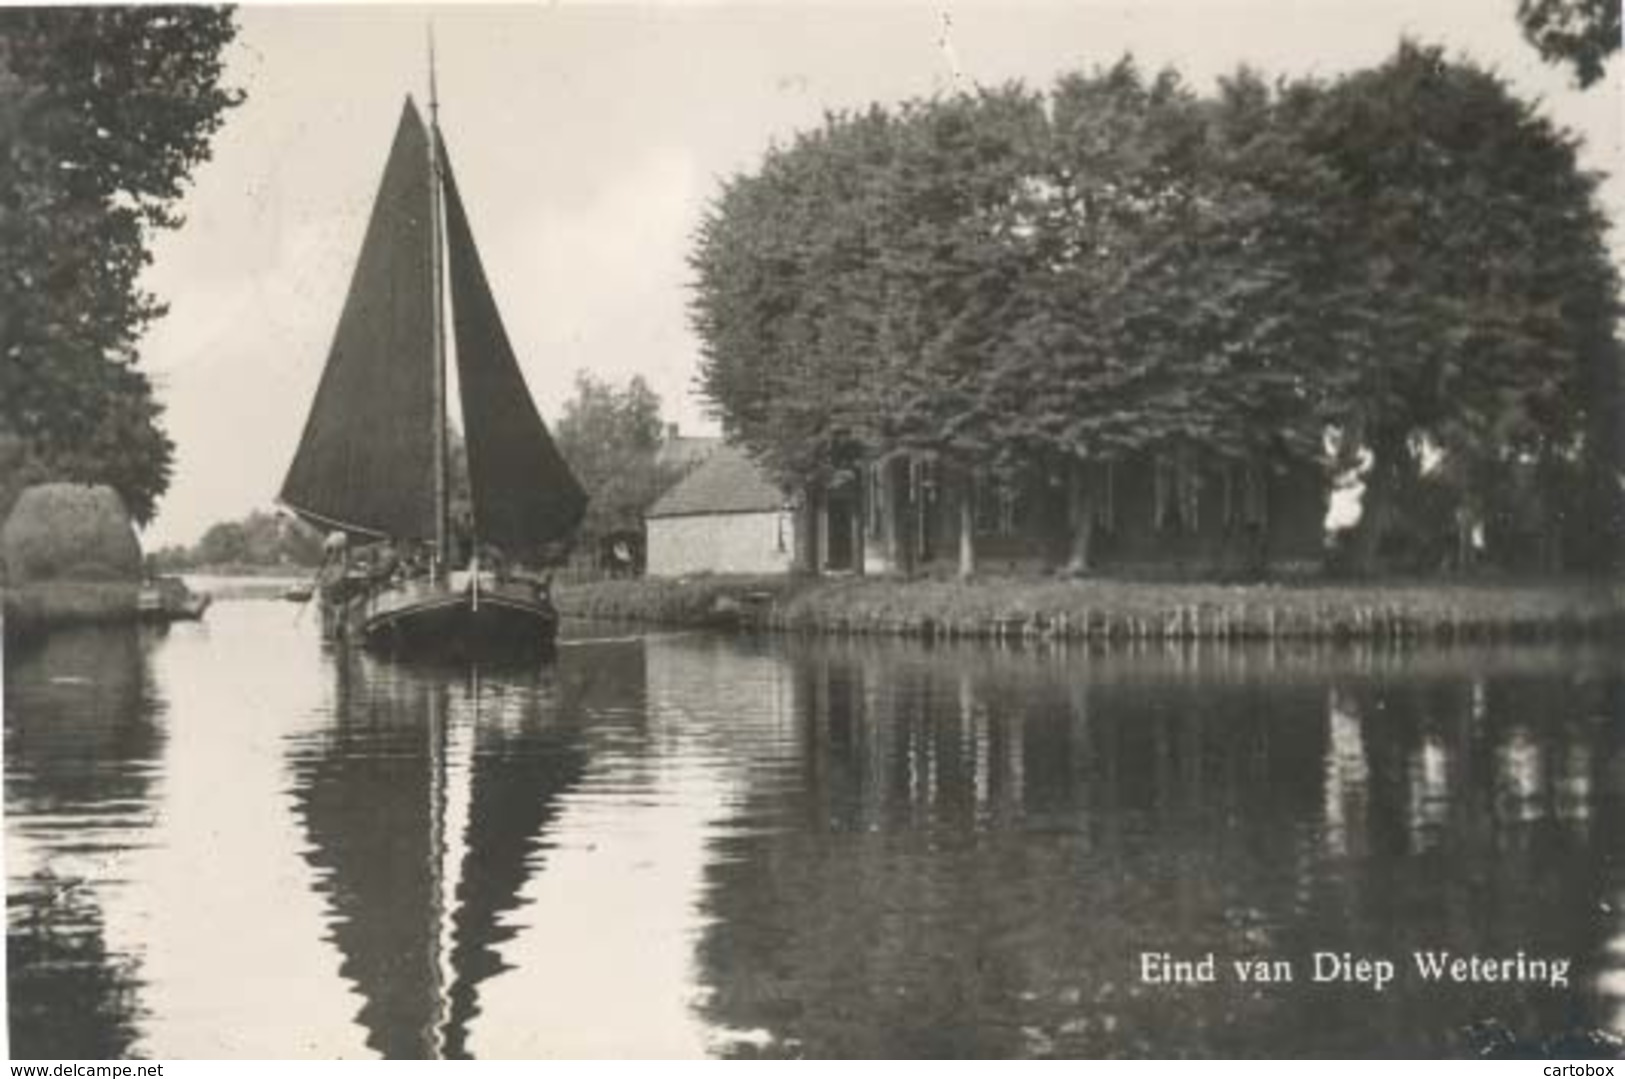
(1113, 610)
(693, 601)
(31, 609)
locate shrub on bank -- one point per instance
(69, 531)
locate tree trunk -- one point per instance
(967, 530)
(1376, 514)
(1549, 482)
(1080, 519)
(920, 547)
(1602, 508)
(1379, 502)
(891, 520)
(860, 520)
(821, 527)
(807, 556)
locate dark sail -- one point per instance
(366, 461)
(523, 492)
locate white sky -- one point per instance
(588, 140)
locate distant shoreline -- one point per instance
(1104, 610)
(282, 571)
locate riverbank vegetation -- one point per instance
(260, 543)
(691, 601)
(617, 443)
(68, 556)
(1580, 34)
(31, 609)
(1000, 608)
(105, 112)
(68, 531)
(1397, 277)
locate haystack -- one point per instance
(68, 532)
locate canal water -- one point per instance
(223, 840)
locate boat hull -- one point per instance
(451, 617)
(169, 600)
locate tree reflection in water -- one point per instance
(82, 741)
(786, 847)
(975, 848)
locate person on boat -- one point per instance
(386, 562)
(541, 584)
(413, 564)
(343, 576)
(492, 562)
(336, 549)
(335, 561)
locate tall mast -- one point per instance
(438, 321)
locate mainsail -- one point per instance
(365, 463)
(523, 492)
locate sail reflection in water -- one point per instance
(222, 842)
(425, 804)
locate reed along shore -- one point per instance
(1015, 609)
(29, 611)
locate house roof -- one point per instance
(685, 451)
(726, 482)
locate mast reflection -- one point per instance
(427, 804)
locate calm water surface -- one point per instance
(224, 841)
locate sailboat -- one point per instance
(372, 467)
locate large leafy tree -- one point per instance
(963, 252)
(921, 281)
(1006, 282)
(104, 113)
(260, 539)
(793, 306)
(1177, 285)
(1402, 265)
(611, 437)
(1580, 33)
(1470, 248)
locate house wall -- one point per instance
(1282, 534)
(1288, 536)
(720, 543)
